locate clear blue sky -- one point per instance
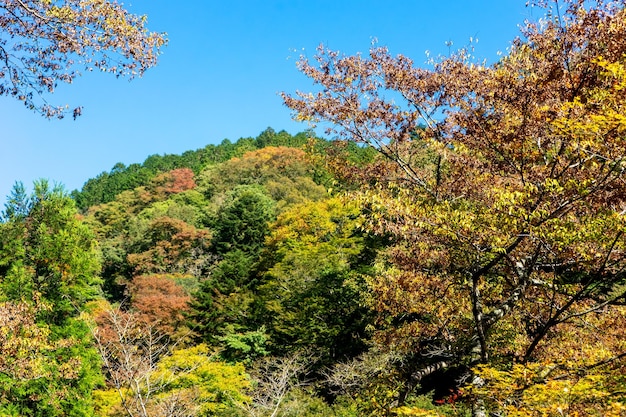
(221, 73)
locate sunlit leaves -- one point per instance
(284, 172)
(311, 289)
(195, 376)
(50, 42)
(509, 236)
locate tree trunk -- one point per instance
(478, 405)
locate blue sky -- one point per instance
(221, 73)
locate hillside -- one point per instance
(458, 249)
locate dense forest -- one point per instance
(458, 248)
(225, 281)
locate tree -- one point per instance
(243, 220)
(174, 181)
(311, 290)
(47, 252)
(47, 42)
(172, 246)
(48, 271)
(160, 302)
(502, 188)
(222, 303)
(148, 375)
(130, 350)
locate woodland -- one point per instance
(456, 248)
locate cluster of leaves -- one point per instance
(47, 42)
(502, 189)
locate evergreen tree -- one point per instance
(48, 271)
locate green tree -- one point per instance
(48, 42)
(223, 302)
(243, 220)
(509, 237)
(312, 289)
(47, 252)
(48, 271)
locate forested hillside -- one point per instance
(107, 185)
(458, 249)
(228, 281)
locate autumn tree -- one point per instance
(43, 373)
(44, 43)
(171, 246)
(130, 350)
(502, 189)
(160, 302)
(149, 375)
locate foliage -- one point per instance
(210, 385)
(243, 220)
(106, 186)
(149, 376)
(48, 42)
(221, 307)
(48, 270)
(526, 390)
(502, 188)
(222, 304)
(171, 246)
(46, 252)
(587, 380)
(44, 372)
(130, 350)
(152, 229)
(311, 289)
(286, 174)
(160, 302)
(243, 346)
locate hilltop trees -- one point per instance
(47, 42)
(502, 188)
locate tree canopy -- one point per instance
(43, 43)
(502, 187)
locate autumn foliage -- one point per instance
(460, 249)
(160, 302)
(503, 189)
(50, 42)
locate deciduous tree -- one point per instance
(160, 302)
(47, 42)
(502, 187)
(312, 289)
